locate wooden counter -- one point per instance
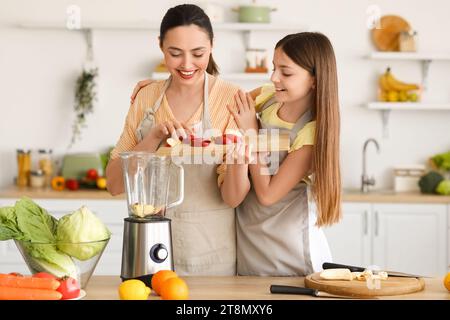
(245, 288)
(37, 193)
(385, 196)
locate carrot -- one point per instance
(10, 293)
(29, 282)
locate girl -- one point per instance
(203, 226)
(277, 223)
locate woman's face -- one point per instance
(186, 52)
(292, 82)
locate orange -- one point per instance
(174, 289)
(159, 277)
(447, 281)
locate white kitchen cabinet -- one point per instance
(404, 237)
(410, 237)
(349, 240)
(110, 212)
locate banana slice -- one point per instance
(368, 274)
(142, 210)
(234, 132)
(173, 142)
(337, 274)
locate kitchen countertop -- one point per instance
(246, 288)
(382, 196)
(38, 193)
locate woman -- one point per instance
(203, 226)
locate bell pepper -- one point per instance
(58, 183)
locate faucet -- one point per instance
(365, 180)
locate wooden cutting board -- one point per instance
(260, 143)
(356, 288)
(387, 37)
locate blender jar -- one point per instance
(147, 183)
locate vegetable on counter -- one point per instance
(37, 234)
(429, 182)
(442, 161)
(8, 293)
(443, 187)
(28, 282)
(81, 226)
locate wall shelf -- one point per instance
(421, 56)
(386, 107)
(425, 58)
(226, 76)
(402, 106)
(149, 25)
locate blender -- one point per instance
(147, 237)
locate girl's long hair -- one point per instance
(313, 52)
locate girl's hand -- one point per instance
(139, 86)
(245, 116)
(168, 129)
(240, 153)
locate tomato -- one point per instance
(44, 275)
(92, 174)
(69, 288)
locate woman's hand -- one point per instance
(245, 115)
(139, 86)
(172, 128)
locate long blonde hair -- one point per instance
(313, 52)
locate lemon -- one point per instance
(133, 290)
(101, 183)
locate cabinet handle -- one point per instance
(366, 218)
(376, 223)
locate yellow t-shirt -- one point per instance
(305, 136)
(221, 94)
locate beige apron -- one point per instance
(203, 226)
(281, 239)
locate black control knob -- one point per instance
(159, 253)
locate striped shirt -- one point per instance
(221, 94)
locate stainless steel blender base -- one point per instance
(147, 248)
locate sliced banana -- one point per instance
(173, 142)
(142, 210)
(337, 274)
(368, 274)
(234, 132)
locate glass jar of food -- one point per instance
(37, 179)
(23, 167)
(45, 164)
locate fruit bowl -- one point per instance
(76, 260)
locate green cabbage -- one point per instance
(443, 187)
(33, 229)
(81, 226)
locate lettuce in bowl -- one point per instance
(80, 234)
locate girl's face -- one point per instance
(292, 82)
(186, 52)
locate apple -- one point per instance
(227, 138)
(92, 174)
(72, 184)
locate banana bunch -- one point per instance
(394, 90)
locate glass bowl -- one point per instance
(77, 260)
